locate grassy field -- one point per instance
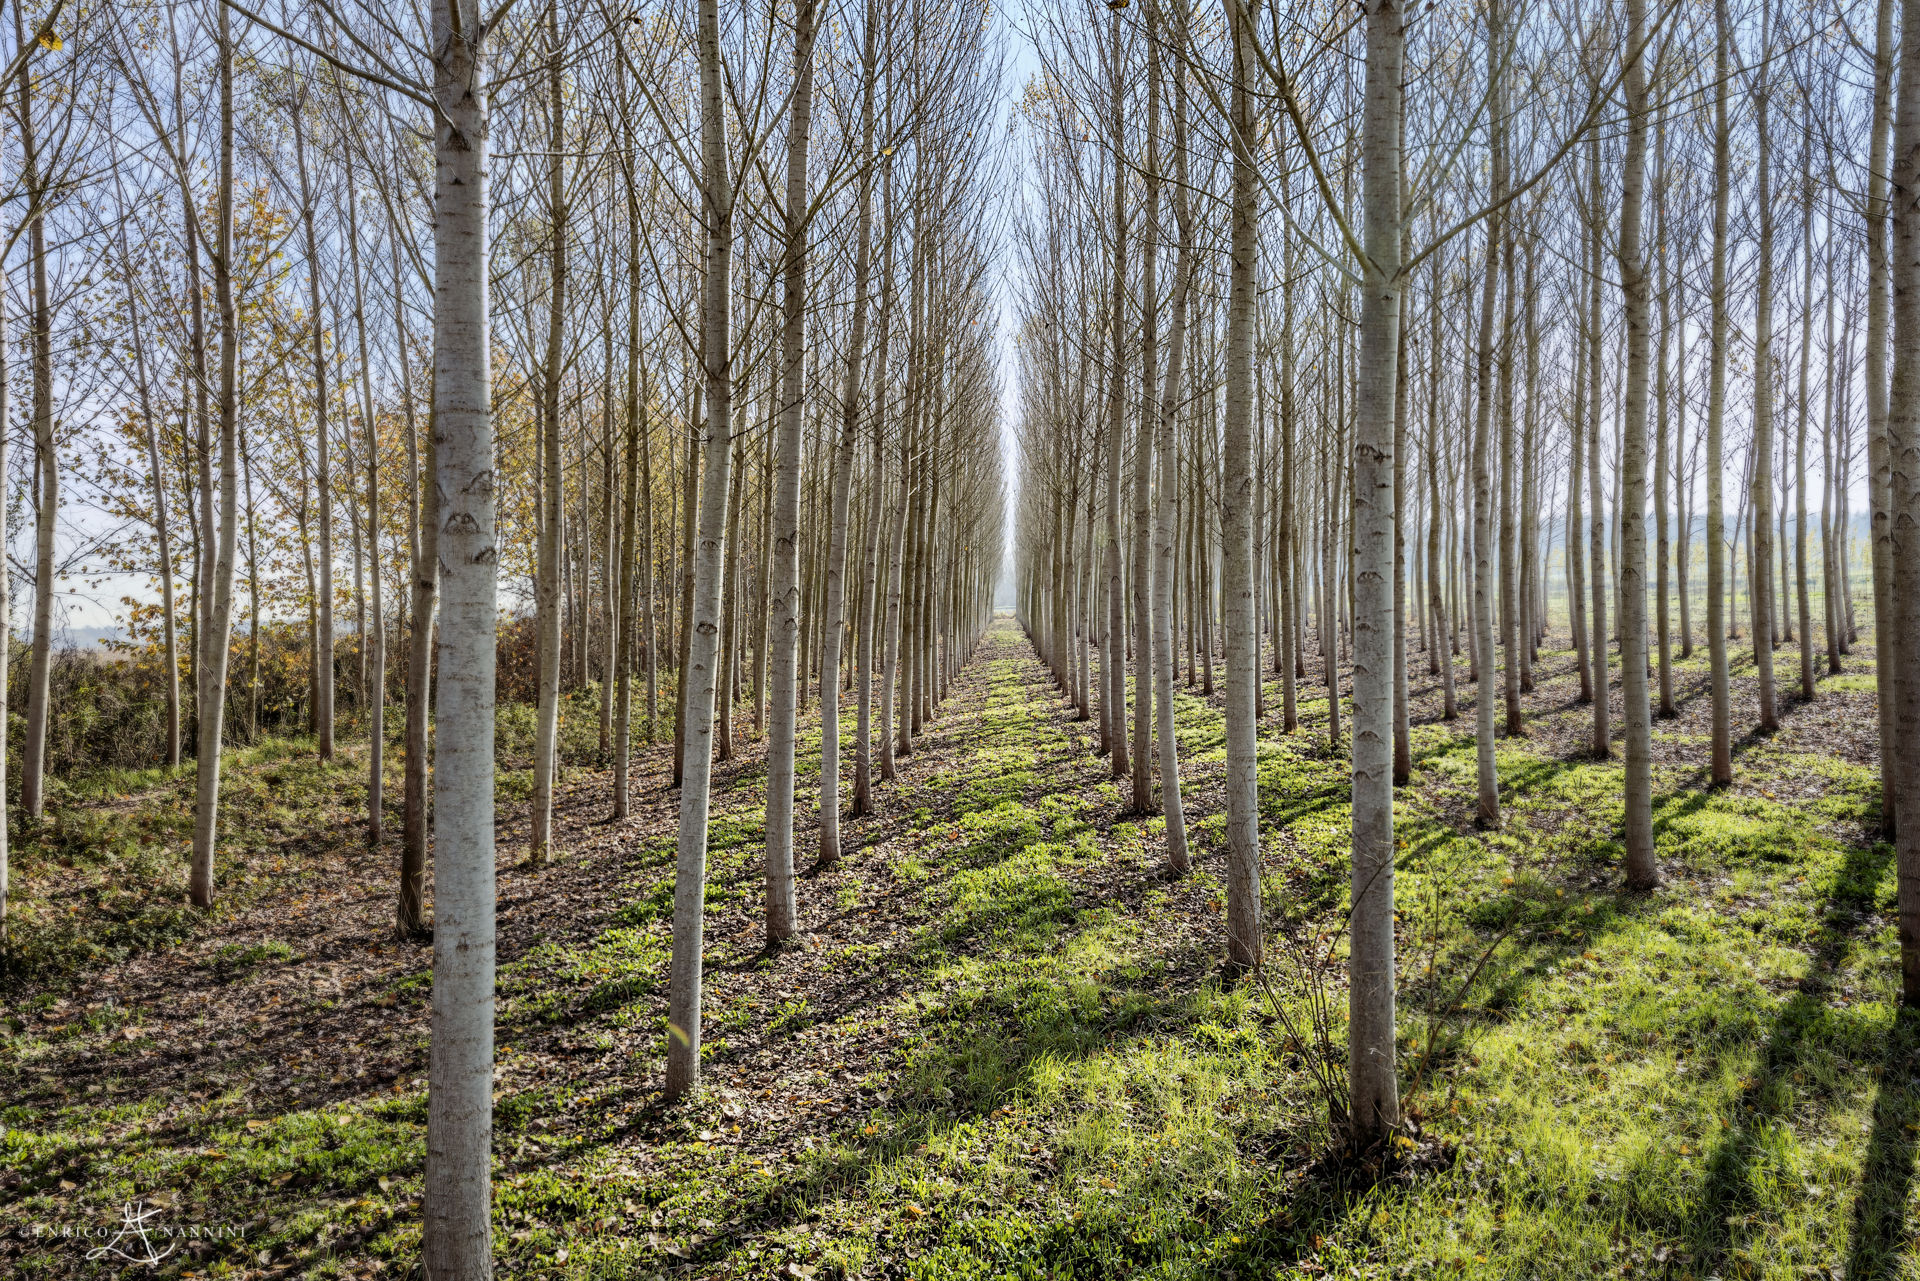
(1003, 1046)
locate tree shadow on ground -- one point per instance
(1879, 1240)
(1806, 1022)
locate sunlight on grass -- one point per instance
(1711, 1081)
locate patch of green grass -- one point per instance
(103, 875)
(1712, 1080)
(232, 959)
(792, 1016)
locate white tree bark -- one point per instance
(457, 1239)
(1802, 400)
(1245, 937)
(783, 602)
(690, 866)
(1879, 460)
(1166, 510)
(1113, 666)
(638, 441)
(1642, 872)
(424, 601)
(1373, 1079)
(1483, 585)
(1436, 595)
(1142, 570)
(547, 597)
(1596, 495)
(211, 673)
(1721, 758)
(373, 639)
(1760, 489)
(834, 623)
(46, 466)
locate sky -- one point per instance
(85, 611)
(1023, 65)
(87, 607)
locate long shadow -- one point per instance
(536, 909)
(1878, 1241)
(999, 1037)
(1807, 1019)
(988, 1052)
(987, 1048)
(1545, 931)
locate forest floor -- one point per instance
(1003, 1045)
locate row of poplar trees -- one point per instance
(1362, 334)
(666, 333)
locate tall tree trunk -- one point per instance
(1483, 581)
(547, 588)
(1663, 549)
(890, 683)
(1832, 531)
(323, 466)
(1682, 486)
(616, 641)
(1141, 571)
(733, 595)
(1286, 543)
(690, 877)
(211, 672)
(1760, 490)
(1245, 933)
(1879, 459)
(1329, 623)
(1113, 659)
(784, 599)
(1721, 751)
(1372, 1068)
(1166, 515)
(834, 623)
(457, 1238)
(1803, 602)
(638, 441)
(1602, 745)
(689, 520)
(867, 641)
(1903, 449)
(424, 588)
(1528, 621)
(46, 463)
(373, 639)
(1576, 477)
(871, 635)
(1436, 597)
(1402, 713)
(649, 581)
(1509, 575)
(1642, 872)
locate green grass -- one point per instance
(1713, 1080)
(103, 876)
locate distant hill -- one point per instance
(85, 637)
